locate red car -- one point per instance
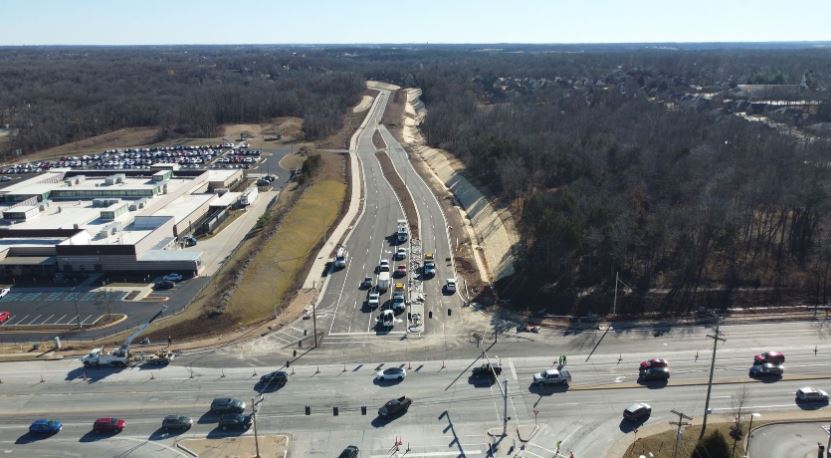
(654, 362)
(774, 357)
(109, 425)
(401, 271)
(4, 316)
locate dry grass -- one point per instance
(661, 445)
(292, 161)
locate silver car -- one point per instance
(811, 394)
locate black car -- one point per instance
(276, 378)
(654, 373)
(227, 405)
(395, 407)
(487, 371)
(235, 421)
(349, 452)
(637, 411)
(164, 284)
(176, 422)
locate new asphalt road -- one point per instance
(450, 413)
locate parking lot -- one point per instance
(56, 308)
(223, 156)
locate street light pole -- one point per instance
(314, 320)
(715, 336)
(254, 404)
(750, 431)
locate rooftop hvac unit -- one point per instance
(75, 226)
(67, 183)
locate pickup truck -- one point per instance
(552, 377)
(395, 407)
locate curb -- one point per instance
(186, 450)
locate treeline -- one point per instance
(607, 175)
(50, 96)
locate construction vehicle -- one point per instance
(160, 358)
(429, 269)
(120, 357)
(401, 232)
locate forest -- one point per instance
(54, 95)
(630, 160)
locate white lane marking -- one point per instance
(58, 321)
(33, 319)
(513, 369)
(47, 319)
(85, 319)
(772, 406)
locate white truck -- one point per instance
(552, 377)
(402, 231)
(249, 196)
(340, 258)
(120, 357)
(383, 283)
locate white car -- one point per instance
(811, 394)
(384, 266)
(374, 299)
(391, 373)
(4, 292)
(173, 277)
(401, 253)
(450, 286)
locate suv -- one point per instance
(637, 411)
(366, 283)
(384, 266)
(395, 407)
(109, 425)
(278, 378)
(177, 422)
(349, 452)
(401, 253)
(235, 421)
(450, 286)
(811, 394)
(227, 405)
(164, 284)
(767, 370)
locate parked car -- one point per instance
(374, 299)
(177, 423)
(654, 373)
(395, 407)
(4, 316)
(654, 362)
(366, 283)
(164, 284)
(277, 378)
(349, 452)
(44, 426)
(391, 373)
(227, 405)
(4, 292)
(235, 421)
(811, 394)
(109, 425)
(637, 411)
(174, 277)
(767, 370)
(487, 371)
(774, 357)
(450, 286)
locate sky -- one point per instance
(152, 22)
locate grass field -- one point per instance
(274, 271)
(661, 445)
(291, 161)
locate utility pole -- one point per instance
(314, 320)
(505, 408)
(716, 337)
(679, 423)
(255, 402)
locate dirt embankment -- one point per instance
(488, 234)
(401, 191)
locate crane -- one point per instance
(121, 355)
